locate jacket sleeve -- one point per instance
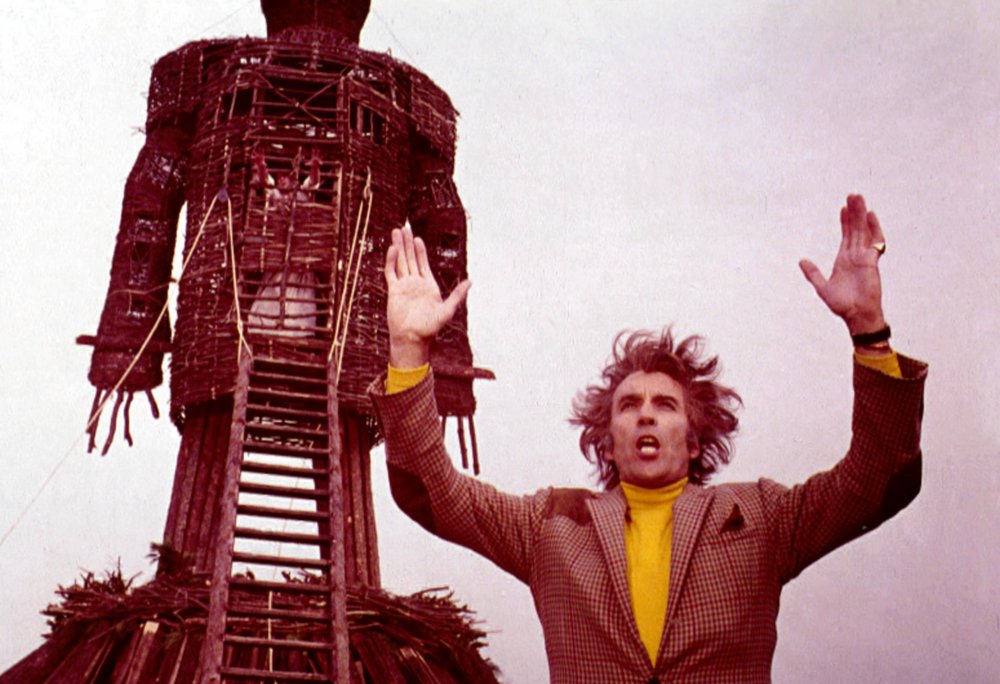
(878, 477)
(453, 506)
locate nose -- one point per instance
(646, 415)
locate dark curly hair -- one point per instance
(710, 405)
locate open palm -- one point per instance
(854, 290)
(415, 310)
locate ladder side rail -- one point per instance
(338, 575)
(210, 667)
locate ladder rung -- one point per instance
(287, 471)
(277, 643)
(303, 345)
(255, 409)
(282, 394)
(286, 537)
(270, 676)
(278, 613)
(286, 430)
(281, 561)
(263, 331)
(265, 375)
(320, 364)
(281, 513)
(247, 584)
(289, 492)
(278, 449)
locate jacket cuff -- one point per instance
(409, 419)
(889, 410)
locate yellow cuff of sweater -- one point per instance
(888, 364)
(399, 379)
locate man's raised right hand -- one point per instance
(415, 310)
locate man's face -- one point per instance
(649, 428)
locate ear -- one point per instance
(608, 442)
(694, 448)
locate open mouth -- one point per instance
(647, 445)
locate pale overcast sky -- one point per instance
(623, 164)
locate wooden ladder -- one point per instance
(291, 625)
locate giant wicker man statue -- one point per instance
(296, 156)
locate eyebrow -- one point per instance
(657, 398)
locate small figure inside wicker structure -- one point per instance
(289, 297)
(321, 149)
(296, 157)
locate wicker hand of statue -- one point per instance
(120, 375)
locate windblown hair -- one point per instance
(710, 405)
(347, 16)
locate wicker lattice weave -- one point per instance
(314, 143)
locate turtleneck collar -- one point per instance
(643, 497)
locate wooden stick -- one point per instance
(461, 443)
(475, 445)
(350, 302)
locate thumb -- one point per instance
(456, 297)
(813, 275)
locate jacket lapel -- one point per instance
(608, 514)
(689, 514)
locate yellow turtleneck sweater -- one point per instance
(649, 526)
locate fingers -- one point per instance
(875, 228)
(399, 258)
(813, 275)
(391, 255)
(409, 250)
(423, 266)
(849, 222)
(854, 223)
(405, 252)
(406, 256)
(456, 297)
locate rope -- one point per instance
(340, 338)
(367, 195)
(227, 17)
(96, 412)
(385, 25)
(343, 290)
(236, 291)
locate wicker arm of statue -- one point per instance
(436, 215)
(134, 332)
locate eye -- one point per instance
(667, 403)
(627, 403)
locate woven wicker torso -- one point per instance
(291, 134)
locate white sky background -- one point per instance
(623, 164)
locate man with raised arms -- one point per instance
(659, 577)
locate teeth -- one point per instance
(647, 449)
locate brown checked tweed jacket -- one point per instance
(734, 545)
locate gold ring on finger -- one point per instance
(879, 247)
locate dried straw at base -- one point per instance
(107, 630)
